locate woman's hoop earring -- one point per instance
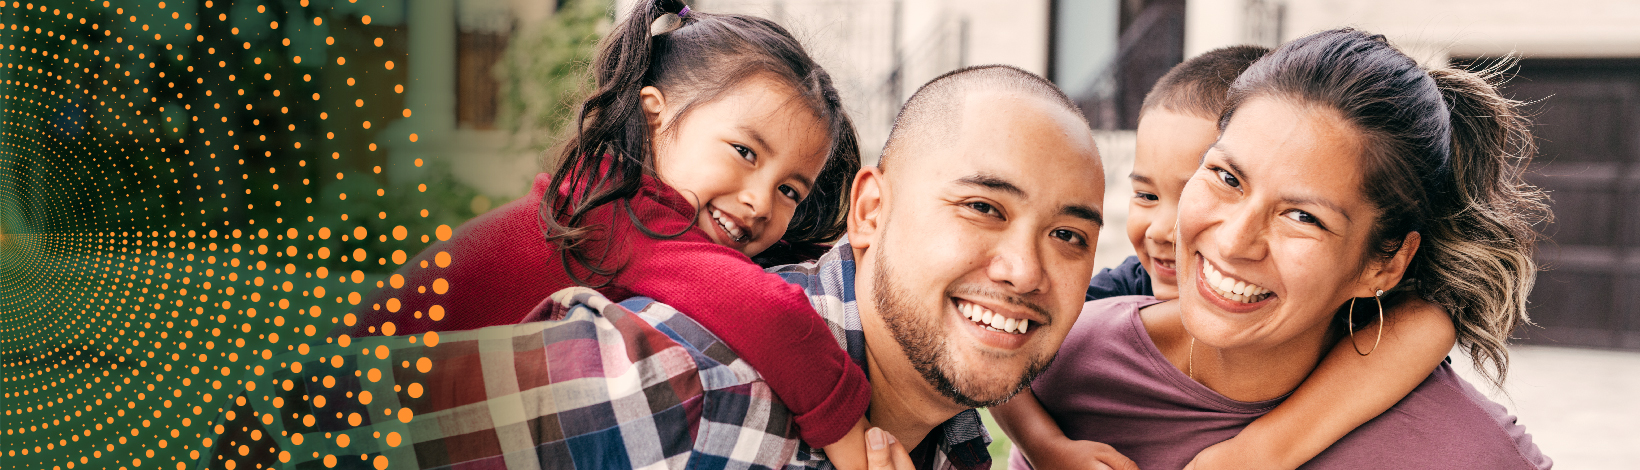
(1351, 319)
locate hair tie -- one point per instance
(668, 22)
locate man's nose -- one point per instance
(1018, 264)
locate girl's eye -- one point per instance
(1144, 196)
(1303, 217)
(1069, 236)
(984, 208)
(1229, 179)
(790, 192)
(746, 153)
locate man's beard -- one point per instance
(924, 341)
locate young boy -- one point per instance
(1177, 124)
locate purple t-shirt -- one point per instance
(1110, 384)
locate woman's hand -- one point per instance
(1085, 455)
(884, 452)
(1044, 444)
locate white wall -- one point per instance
(1434, 30)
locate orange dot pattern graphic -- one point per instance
(192, 192)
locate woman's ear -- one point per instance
(1390, 272)
(654, 108)
(868, 203)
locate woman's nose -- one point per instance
(1242, 234)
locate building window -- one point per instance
(1106, 54)
(482, 30)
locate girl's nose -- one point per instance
(758, 200)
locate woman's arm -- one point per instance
(1345, 391)
(1045, 445)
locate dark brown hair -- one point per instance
(1444, 155)
(605, 160)
(1200, 86)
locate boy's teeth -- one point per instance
(993, 320)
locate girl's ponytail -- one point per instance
(692, 57)
(1478, 247)
(605, 159)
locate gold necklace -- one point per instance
(1190, 359)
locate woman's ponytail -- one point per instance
(1478, 247)
(1444, 156)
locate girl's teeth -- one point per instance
(728, 226)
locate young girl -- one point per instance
(709, 139)
(1178, 122)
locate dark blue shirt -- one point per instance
(1128, 278)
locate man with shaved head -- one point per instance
(968, 252)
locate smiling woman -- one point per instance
(1343, 171)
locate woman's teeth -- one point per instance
(1232, 289)
(728, 225)
(992, 320)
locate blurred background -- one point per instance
(300, 150)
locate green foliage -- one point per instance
(544, 72)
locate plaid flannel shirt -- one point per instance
(959, 443)
(620, 391)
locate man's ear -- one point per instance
(869, 203)
(1390, 272)
(654, 108)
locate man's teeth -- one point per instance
(728, 225)
(1232, 289)
(993, 320)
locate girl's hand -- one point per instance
(884, 452)
(1086, 455)
(849, 453)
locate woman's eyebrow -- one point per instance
(1310, 200)
(1230, 161)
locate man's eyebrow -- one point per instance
(992, 182)
(1083, 212)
